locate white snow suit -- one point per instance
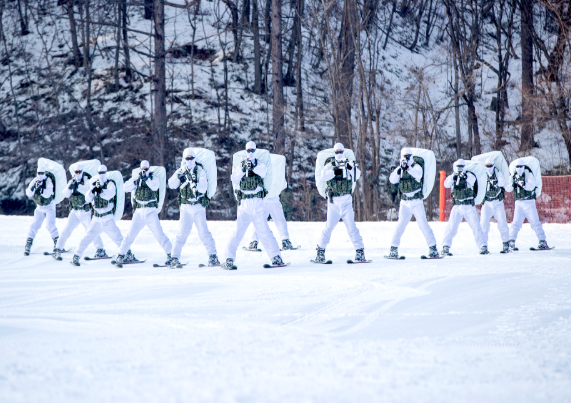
(252, 211)
(408, 208)
(275, 209)
(42, 213)
(77, 217)
(145, 216)
(466, 211)
(340, 207)
(192, 214)
(495, 208)
(101, 224)
(527, 209)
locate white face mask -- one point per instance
(78, 176)
(458, 170)
(519, 171)
(42, 176)
(490, 171)
(190, 163)
(340, 157)
(103, 178)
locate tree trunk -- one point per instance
(277, 79)
(390, 24)
(457, 109)
(149, 9)
(349, 30)
(257, 53)
(527, 87)
(477, 149)
(298, 86)
(159, 125)
(73, 31)
(128, 72)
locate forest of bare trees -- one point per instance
(125, 80)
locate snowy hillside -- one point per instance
(468, 328)
(52, 104)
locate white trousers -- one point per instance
(98, 225)
(274, 208)
(526, 209)
(407, 209)
(469, 213)
(494, 209)
(253, 211)
(341, 207)
(75, 218)
(42, 213)
(146, 216)
(193, 214)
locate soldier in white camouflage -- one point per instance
(192, 183)
(339, 174)
(146, 202)
(79, 211)
(42, 190)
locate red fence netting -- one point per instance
(553, 206)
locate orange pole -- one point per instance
(442, 204)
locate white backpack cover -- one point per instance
(158, 172)
(278, 168)
(207, 159)
(533, 164)
(478, 169)
(322, 156)
(61, 177)
(262, 156)
(429, 172)
(118, 179)
(500, 163)
(89, 167)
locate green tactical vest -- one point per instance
(463, 195)
(408, 184)
(144, 193)
(77, 199)
(338, 186)
(494, 192)
(521, 193)
(41, 200)
(186, 192)
(100, 202)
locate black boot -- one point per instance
(28, 246)
(320, 258)
(55, 243)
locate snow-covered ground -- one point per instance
(467, 328)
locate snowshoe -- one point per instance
(229, 265)
(276, 262)
(445, 251)
(512, 245)
(394, 254)
(129, 257)
(542, 246)
(432, 253)
(28, 246)
(75, 260)
(484, 250)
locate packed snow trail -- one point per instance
(466, 328)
